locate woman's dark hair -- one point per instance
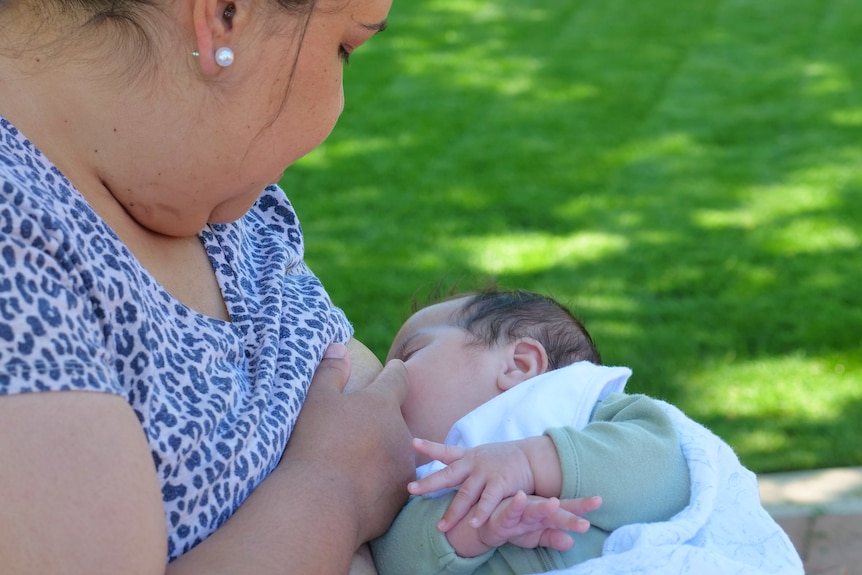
(493, 316)
(131, 29)
(105, 10)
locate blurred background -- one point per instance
(687, 177)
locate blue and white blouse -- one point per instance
(217, 400)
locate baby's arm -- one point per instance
(414, 545)
(489, 473)
(630, 455)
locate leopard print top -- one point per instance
(216, 400)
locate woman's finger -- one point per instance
(333, 372)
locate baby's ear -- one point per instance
(526, 358)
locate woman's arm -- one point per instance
(79, 491)
(80, 495)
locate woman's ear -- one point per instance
(215, 23)
(525, 358)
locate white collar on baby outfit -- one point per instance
(563, 397)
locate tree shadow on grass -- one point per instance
(715, 156)
(771, 444)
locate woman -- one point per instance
(158, 328)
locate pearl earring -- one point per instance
(224, 56)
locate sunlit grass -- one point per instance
(850, 117)
(759, 420)
(688, 177)
(809, 388)
(533, 252)
(799, 218)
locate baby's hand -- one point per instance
(526, 521)
(487, 474)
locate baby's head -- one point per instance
(464, 351)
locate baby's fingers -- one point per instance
(506, 522)
(539, 509)
(525, 521)
(581, 505)
(551, 515)
(558, 540)
(509, 513)
(450, 476)
(493, 492)
(465, 499)
(439, 451)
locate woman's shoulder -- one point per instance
(37, 199)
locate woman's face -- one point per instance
(289, 127)
(240, 128)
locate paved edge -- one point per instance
(809, 493)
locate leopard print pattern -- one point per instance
(216, 400)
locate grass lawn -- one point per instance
(687, 176)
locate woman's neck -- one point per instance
(81, 133)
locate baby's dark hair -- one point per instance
(498, 316)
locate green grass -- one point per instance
(688, 177)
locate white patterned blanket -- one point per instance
(723, 531)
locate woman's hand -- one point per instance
(358, 439)
(340, 481)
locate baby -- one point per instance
(534, 428)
